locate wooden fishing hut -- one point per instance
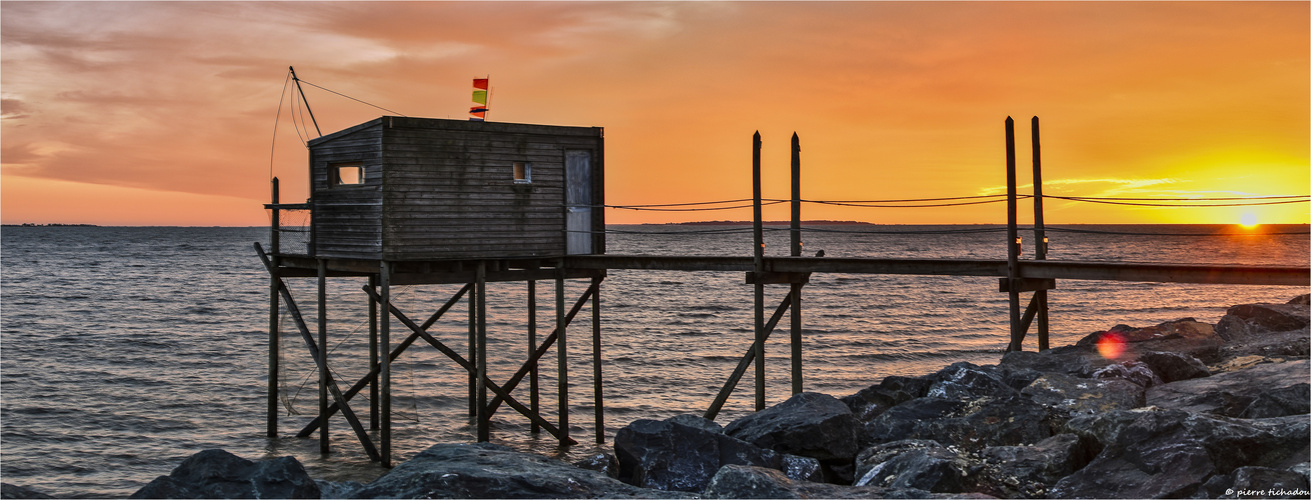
(406, 201)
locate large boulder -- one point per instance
(1030, 471)
(969, 425)
(915, 464)
(1154, 453)
(667, 455)
(219, 474)
(872, 401)
(485, 470)
(1075, 360)
(808, 424)
(737, 481)
(964, 381)
(1084, 395)
(1173, 366)
(1246, 320)
(1275, 388)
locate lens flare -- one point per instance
(1110, 345)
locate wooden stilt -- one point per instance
(473, 354)
(796, 252)
(534, 400)
(484, 419)
(562, 356)
(323, 357)
(758, 232)
(532, 362)
(372, 377)
(468, 366)
(384, 368)
(274, 354)
(1012, 237)
(597, 398)
(318, 357)
(373, 355)
(1039, 236)
(742, 365)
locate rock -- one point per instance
(1257, 482)
(330, 489)
(1304, 300)
(219, 474)
(1291, 400)
(1150, 457)
(1173, 366)
(1230, 393)
(1154, 453)
(1029, 471)
(14, 491)
(1186, 328)
(1247, 320)
(802, 468)
(1085, 395)
(698, 422)
(872, 401)
(1131, 371)
(485, 470)
(1274, 347)
(971, 426)
(1076, 360)
(914, 464)
(604, 463)
(736, 481)
(963, 381)
(670, 456)
(808, 424)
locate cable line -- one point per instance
(302, 80)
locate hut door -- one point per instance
(578, 200)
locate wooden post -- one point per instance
(323, 356)
(373, 355)
(1012, 235)
(473, 353)
(562, 355)
(272, 430)
(533, 399)
(596, 361)
(484, 422)
(384, 369)
(758, 231)
(796, 252)
(1039, 236)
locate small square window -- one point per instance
(523, 172)
(347, 174)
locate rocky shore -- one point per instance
(1182, 410)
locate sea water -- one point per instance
(124, 350)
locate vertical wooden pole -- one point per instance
(562, 355)
(273, 321)
(384, 368)
(373, 355)
(796, 252)
(533, 399)
(1012, 235)
(484, 419)
(473, 353)
(323, 356)
(758, 231)
(596, 361)
(1039, 236)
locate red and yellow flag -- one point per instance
(479, 113)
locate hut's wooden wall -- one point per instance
(347, 219)
(445, 189)
(451, 191)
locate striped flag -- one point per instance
(479, 113)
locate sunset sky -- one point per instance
(120, 113)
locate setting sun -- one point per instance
(1248, 220)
